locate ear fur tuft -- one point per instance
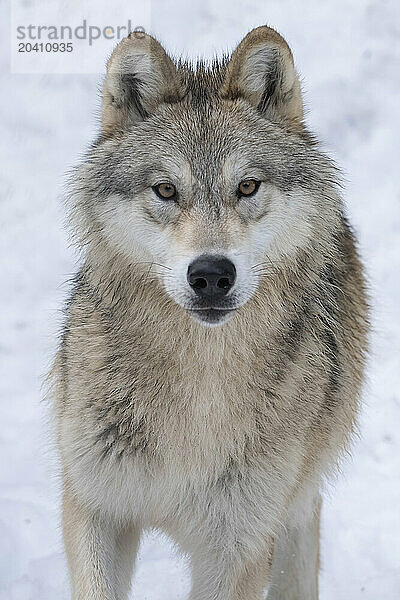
(140, 76)
(262, 72)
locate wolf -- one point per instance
(210, 367)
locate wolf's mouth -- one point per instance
(211, 316)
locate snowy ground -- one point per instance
(347, 52)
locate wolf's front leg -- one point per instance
(229, 577)
(100, 553)
(294, 574)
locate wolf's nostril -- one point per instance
(224, 283)
(199, 283)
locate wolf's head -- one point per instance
(205, 176)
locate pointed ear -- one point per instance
(140, 76)
(262, 72)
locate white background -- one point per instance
(348, 55)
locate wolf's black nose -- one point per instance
(211, 277)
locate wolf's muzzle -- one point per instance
(211, 277)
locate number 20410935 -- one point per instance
(47, 47)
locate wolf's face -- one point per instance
(204, 179)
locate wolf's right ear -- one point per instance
(262, 72)
(140, 76)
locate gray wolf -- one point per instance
(209, 372)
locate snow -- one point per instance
(347, 53)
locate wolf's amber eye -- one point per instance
(248, 187)
(166, 191)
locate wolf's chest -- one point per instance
(184, 424)
(159, 447)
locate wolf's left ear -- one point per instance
(140, 76)
(262, 72)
